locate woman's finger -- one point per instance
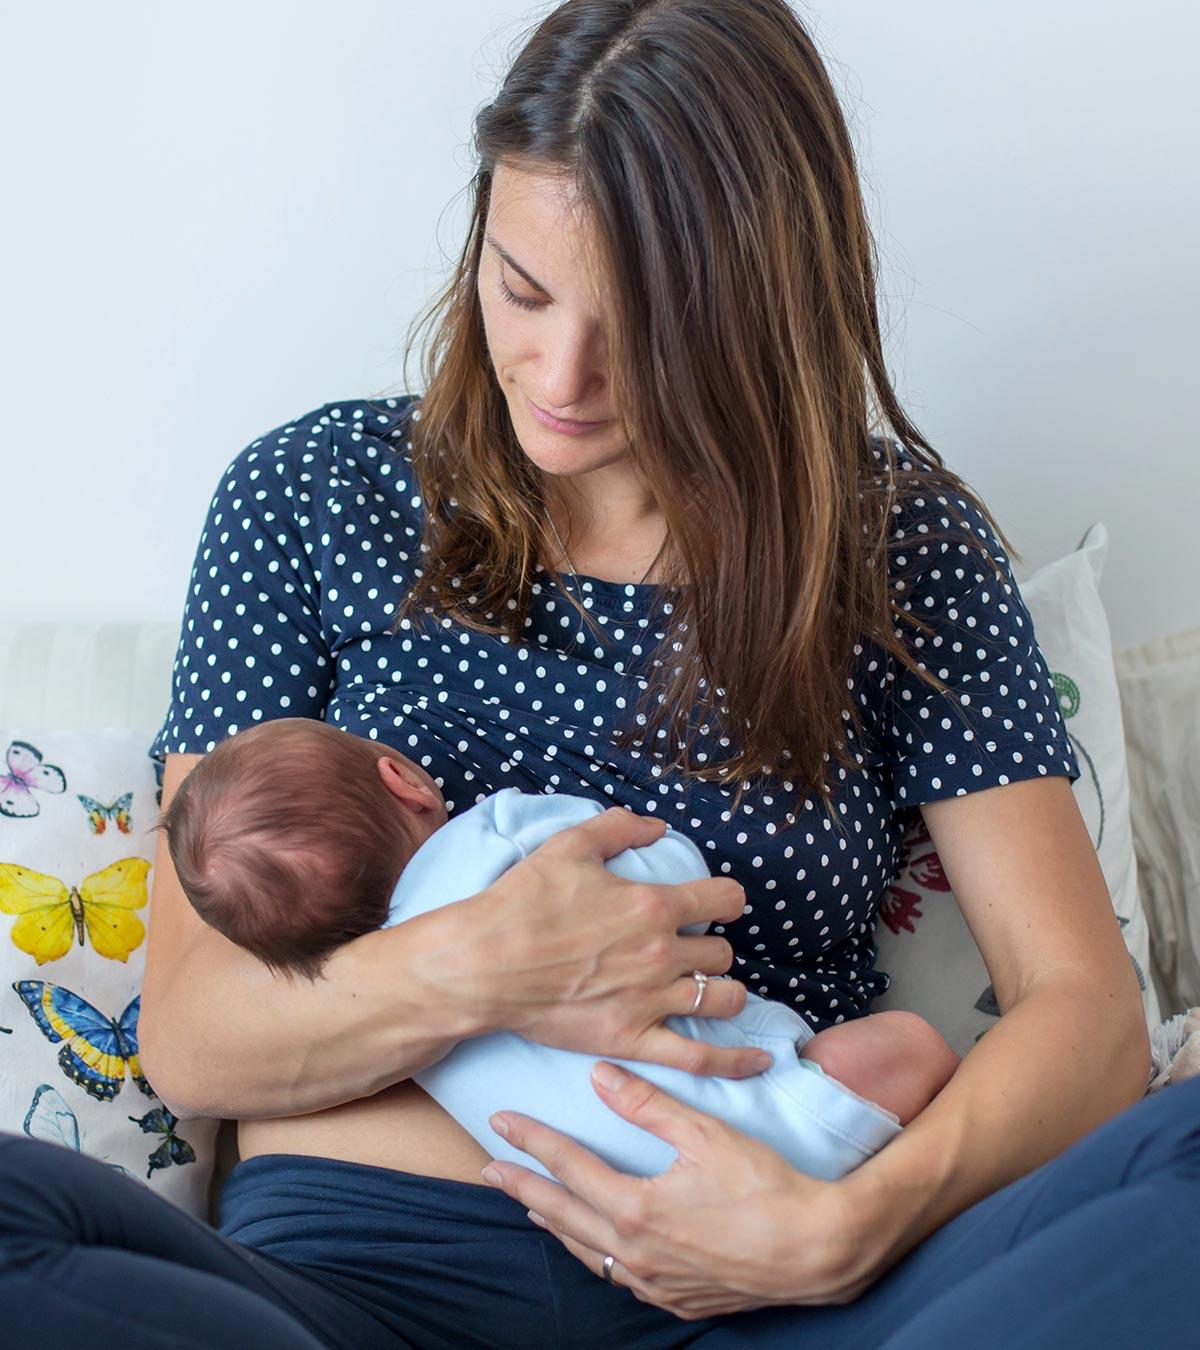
(722, 997)
(706, 952)
(594, 1260)
(553, 1207)
(593, 1189)
(661, 1045)
(605, 835)
(709, 900)
(648, 1106)
(686, 1306)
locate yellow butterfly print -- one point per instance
(50, 912)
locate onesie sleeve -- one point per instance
(251, 642)
(999, 720)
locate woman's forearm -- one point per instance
(1058, 1063)
(371, 1020)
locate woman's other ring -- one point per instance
(701, 983)
(608, 1265)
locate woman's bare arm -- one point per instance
(220, 1035)
(1071, 1048)
(542, 951)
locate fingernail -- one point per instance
(499, 1124)
(608, 1076)
(491, 1176)
(536, 1218)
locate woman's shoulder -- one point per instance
(344, 445)
(275, 576)
(935, 523)
(997, 718)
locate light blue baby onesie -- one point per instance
(818, 1124)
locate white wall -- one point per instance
(218, 217)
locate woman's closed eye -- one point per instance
(518, 300)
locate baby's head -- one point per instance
(289, 837)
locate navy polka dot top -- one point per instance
(311, 541)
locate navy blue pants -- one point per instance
(1099, 1247)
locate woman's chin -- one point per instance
(557, 454)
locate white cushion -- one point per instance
(1160, 692)
(77, 810)
(922, 938)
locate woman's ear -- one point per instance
(415, 796)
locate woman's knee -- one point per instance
(1170, 1125)
(42, 1187)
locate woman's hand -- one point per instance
(566, 953)
(728, 1227)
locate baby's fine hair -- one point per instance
(285, 840)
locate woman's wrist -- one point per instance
(893, 1201)
(879, 1215)
(875, 1227)
(453, 961)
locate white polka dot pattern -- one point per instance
(999, 721)
(313, 537)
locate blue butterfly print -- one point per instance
(96, 1049)
(172, 1149)
(99, 815)
(50, 1118)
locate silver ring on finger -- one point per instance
(608, 1265)
(701, 984)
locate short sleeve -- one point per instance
(999, 719)
(251, 644)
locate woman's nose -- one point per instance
(572, 386)
(574, 374)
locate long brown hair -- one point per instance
(706, 145)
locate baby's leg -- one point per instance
(896, 1059)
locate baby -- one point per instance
(293, 837)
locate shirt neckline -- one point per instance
(608, 593)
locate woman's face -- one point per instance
(546, 344)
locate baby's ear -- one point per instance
(397, 782)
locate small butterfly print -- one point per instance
(172, 1149)
(50, 1119)
(99, 815)
(27, 775)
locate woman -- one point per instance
(714, 604)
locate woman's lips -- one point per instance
(558, 424)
